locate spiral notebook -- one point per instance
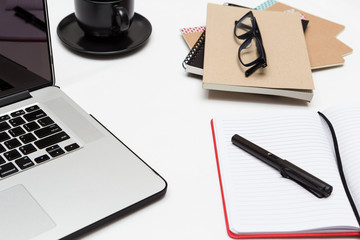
(194, 61)
(259, 203)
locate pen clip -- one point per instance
(292, 174)
(308, 187)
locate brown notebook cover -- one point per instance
(288, 72)
(192, 34)
(325, 50)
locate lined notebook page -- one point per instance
(346, 122)
(257, 198)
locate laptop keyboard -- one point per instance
(29, 137)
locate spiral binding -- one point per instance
(199, 45)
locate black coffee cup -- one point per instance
(104, 18)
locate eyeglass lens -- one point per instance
(249, 51)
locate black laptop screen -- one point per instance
(24, 49)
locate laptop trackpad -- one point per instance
(21, 216)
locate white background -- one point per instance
(163, 114)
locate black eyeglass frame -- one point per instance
(253, 32)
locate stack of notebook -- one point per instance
(291, 52)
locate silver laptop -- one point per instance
(61, 172)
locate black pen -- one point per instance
(30, 18)
(288, 170)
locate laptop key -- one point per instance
(7, 169)
(47, 131)
(4, 117)
(27, 149)
(2, 160)
(2, 149)
(17, 113)
(32, 108)
(31, 126)
(16, 121)
(13, 143)
(45, 121)
(12, 155)
(51, 140)
(34, 115)
(72, 147)
(16, 131)
(4, 136)
(24, 163)
(29, 137)
(4, 126)
(42, 158)
(55, 150)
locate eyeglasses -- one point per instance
(251, 51)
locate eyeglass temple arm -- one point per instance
(254, 68)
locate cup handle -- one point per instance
(122, 18)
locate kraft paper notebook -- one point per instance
(325, 50)
(259, 203)
(288, 72)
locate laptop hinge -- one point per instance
(17, 97)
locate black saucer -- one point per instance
(74, 37)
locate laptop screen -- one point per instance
(24, 47)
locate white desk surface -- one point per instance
(163, 114)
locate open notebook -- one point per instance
(258, 202)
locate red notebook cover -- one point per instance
(272, 235)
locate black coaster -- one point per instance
(74, 37)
